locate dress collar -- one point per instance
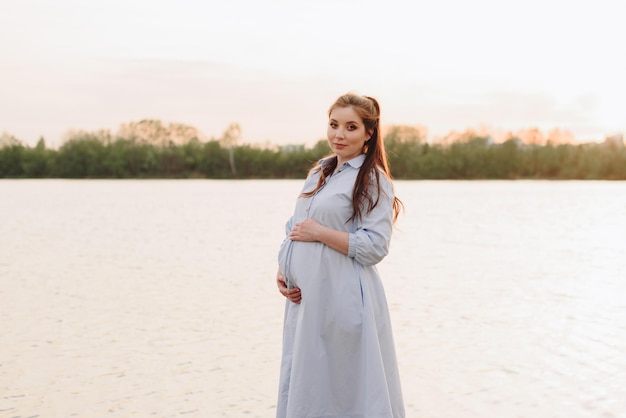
(356, 162)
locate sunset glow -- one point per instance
(274, 66)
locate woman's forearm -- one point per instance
(337, 240)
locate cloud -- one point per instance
(460, 108)
(206, 95)
(268, 105)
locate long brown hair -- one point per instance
(375, 157)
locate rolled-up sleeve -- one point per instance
(369, 244)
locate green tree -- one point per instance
(213, 160)
(230, 138)
(11, 152)
(81, 157)
(35, 160)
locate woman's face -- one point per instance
(346, 133)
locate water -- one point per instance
(157, 298)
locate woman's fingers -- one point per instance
(307, 230)
(294, 295)
(282, 286)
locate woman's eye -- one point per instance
(351, 127)
(333, 125)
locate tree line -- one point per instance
(472, 156)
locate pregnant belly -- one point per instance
(302, 262)
(330, 283)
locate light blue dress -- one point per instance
(338, 357)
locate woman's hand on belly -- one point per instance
(310, 230)
(293, 294)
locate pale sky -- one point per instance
(275, 66)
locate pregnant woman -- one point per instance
(338, 357)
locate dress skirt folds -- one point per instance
(338, 358)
